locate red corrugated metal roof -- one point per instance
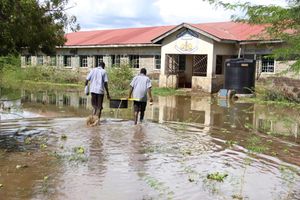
(232, 30)
(116, 36)
(222, 30)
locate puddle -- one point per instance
(53, 155)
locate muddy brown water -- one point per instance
(47, 151)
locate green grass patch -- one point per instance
(166, 91)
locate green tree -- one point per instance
(33, 24)
(281, 23)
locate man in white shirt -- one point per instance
(99, 81)
(140, 85)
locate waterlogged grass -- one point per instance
(271, 96)
(217, 176)
(255, 145)
(166, 91)
(164, 191)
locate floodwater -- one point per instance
(47, 151)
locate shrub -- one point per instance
(50, 74)
(119, 79)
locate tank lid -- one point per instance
(240, 60)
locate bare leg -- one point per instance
(94, 110)
(142, 116)
(135, 117)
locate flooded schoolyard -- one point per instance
(189, 147)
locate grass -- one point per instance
(166, 91)
(255, 145)
(269, 96)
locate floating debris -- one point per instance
(63, 137)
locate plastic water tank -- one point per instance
(240, 75)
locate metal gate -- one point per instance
(172, 64)
(199, 65)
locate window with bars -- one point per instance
(83, 61)
(28, 60)
(99, 58)
(66, 100)
(157, 61)
(83, 102)
(219, 64)
(267, 64)
(181, 62)
(134, 61)
(115, 60)
(39, 60)
(67, 61)
(53, 61)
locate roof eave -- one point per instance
(243, 42)
(107, 46)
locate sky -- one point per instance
(113, 14)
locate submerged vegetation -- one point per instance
(268, 95)
(217, 176)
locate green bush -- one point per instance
(119, 79)
(11, 73)
(50, 74)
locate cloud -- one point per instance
(104, 14)
(108, 14)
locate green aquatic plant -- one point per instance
(217, 176)
(43, 146)
(79, 150)
(63, 137)
(28, 140)
(78, 158)
(236, 196)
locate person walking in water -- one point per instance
(140, 86)
(99, 82)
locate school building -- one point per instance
(182, 56)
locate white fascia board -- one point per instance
(106, 46)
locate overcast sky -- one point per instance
(111, 14)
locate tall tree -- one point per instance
(33, 24)
(281, 23)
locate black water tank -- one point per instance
(240, 75)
